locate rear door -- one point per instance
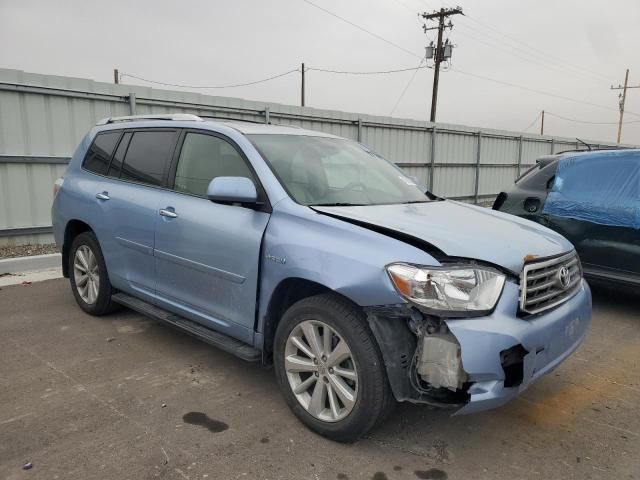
(207, 254)
(126, 207)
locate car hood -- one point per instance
(462, 230)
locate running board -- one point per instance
(217, 339)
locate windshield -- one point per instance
(333, 171)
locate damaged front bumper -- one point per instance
(501, 353)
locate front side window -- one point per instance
(333, 171)
(148, 156)
(203, 158)
(99, 154)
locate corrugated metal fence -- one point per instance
(43, 117)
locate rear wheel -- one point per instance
(88, 275)
(330, 369)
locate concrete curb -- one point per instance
(30, 264)
(27, 278)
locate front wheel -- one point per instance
(330, 369)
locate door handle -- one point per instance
(102, 196)
(168, 212)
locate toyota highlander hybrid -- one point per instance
(310, 252)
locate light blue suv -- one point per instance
(308, 251)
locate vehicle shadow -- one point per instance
(615, 298)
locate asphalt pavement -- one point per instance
(122, 397)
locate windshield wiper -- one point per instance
(417, 201)
(337, 204)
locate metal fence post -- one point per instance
(266, 115)
(359, 130)
(477, 184)
(519, 168)
(553, 145)
(432, 154)
(132, 103)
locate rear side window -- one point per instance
(148, 156)
(203, 158)
(99, 154)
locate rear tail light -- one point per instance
(57, 185)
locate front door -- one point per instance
(207, 254)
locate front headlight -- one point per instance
(452, 290)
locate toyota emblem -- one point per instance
(563, 278)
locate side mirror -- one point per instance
(232, 190)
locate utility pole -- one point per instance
(116, 76)
(440, 53)
(623, 98)
(542, 124)
(302, 87)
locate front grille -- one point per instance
(548, 282)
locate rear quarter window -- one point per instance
(99, 154)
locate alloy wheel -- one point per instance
(321, 371)
(86, 274)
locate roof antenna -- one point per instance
(584, 143)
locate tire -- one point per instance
(337, 418)
(98, 301)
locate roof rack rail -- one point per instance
(230, 120)
(593, 149)
(169, 116)
(257, 122)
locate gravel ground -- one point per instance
(27, 250)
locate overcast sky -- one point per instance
(568, 48)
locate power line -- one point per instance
(399, 70)
(405, 6)
(369, 32)
(531, 56)
(209, 86)
(496, 43)
(380, 72)
(539, 54)
(532, 123)
(460, 71)
(407, 86)
(541, 92)
(561, 61)
(542, 54)
(585, 121)
(526, 56)
(316, 69)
